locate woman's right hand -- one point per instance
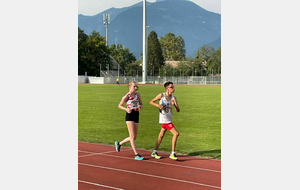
(128, 110)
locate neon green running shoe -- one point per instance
(173, 157)
(155, 155)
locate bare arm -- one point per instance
(157, 98)
(175, 103)
(140, 101)
(124, 100)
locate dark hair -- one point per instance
(167, 84)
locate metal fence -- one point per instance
(188, 80)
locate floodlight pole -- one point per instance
(147, 26)
(106, 22)
(144, 44)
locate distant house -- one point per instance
(172, 63)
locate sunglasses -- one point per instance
(171, 87)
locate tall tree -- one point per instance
(173, 47)
(123, 56)
(215, 63)
(204, 59)
(93, 52)
(155, 57)
(134, 68)
(82, 61)
(183, 68)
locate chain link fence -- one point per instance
(188, 80)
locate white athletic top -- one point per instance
(165, 116)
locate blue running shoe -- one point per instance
(138, 157)
(117, 144)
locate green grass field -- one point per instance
(199, 121)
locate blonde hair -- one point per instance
(130, 83)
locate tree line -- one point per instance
(93, 55)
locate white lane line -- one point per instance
(93, 153)
(88, 155)
(99, 152)
(99, 185)
(111, 151)
(84, 151)
(156, 162)
(212, 159)
(179, 180)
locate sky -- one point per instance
(93, 7)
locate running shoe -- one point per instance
(155, 155)
(173, 157)
(118, 146)
(138, 157)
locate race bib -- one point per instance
(134, 104)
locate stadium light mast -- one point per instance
(106, 22)
(147, 26)
(144, 44)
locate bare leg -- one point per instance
(132, 129)
(160, 137)
(126, 140)
(174, 139)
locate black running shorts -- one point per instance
(133, 116)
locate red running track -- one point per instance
(101, 167)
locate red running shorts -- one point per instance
(168, 126)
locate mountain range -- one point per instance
(184, 18)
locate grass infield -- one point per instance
(198, 122)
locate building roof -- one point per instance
(172, 63)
